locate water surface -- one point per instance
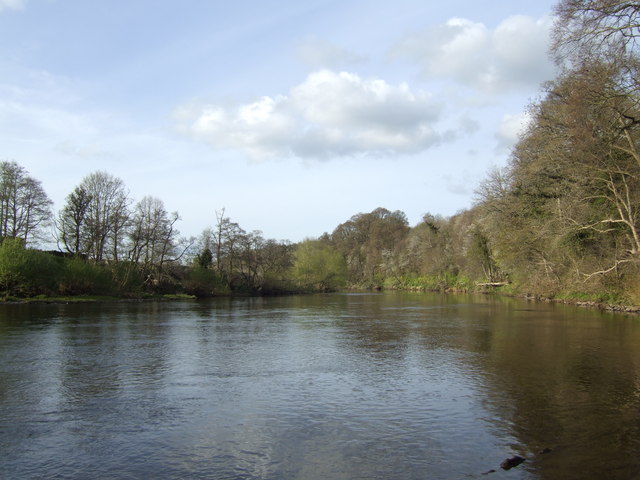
(344, 386)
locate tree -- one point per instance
(318, 266)
(228, 237)
(366, 240)
(204, 259)
(106, 217)
(595, 28)
(277, 260)
(25, 208)
(152, 232)
(71, 225)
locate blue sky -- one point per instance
(293, 116)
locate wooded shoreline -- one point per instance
(560, 221)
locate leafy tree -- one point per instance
(318, 266)
(367, 240)
(566, 211)
(205, 258)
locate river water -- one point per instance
(340, 386)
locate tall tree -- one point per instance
(106, 217)
(366, 239)
(228, 238)
(25, 208)
(595, 28)
(152, 232)
(71, 221)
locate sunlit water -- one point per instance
(345, 386)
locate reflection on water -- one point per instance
(353, 386)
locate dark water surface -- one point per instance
(345, 386)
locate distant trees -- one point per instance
(72, 232)
(25, 208)
(152, 233)
(95, 217)
(97, 222)
(107, 215)
(368, 240)
(562, 218)
(245, 260)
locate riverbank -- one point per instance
(578, 299)
(612, 307)
(94, 299)
(535, 298)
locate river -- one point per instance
(338, 386)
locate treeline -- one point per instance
(109, 245)
(561, 219)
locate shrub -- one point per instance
(204, 282)
(26, 272)
(79, 277)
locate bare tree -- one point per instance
(71, 221)
(25, 208)
(152, 234)
(595, 28)
(106, 216)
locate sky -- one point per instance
(291, 116)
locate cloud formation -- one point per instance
(329, 114)
(510, 130)
(320, 54)
(12, 4)
(511, 56)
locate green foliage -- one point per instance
(25, 272)
(318, 266)
(480, 257)
(127, 278)
(444, 281)
(79, 277)
(367, 241)
(204, 282)
(607, 298)
(205, 258)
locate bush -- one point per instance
(204, 282)
(318, 266)
(126, 277)
(79, 277)
(25, 272)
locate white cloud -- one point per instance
(329, 114)
(12, 4)
(29, 120)
(513, 55)
(510, 130)
(320, 54)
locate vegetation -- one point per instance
(562, 219)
